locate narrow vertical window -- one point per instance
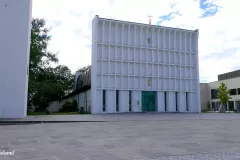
(187, 101)
(176, 102)
(117, 100)
(165, 100)
(130, 101)
(104, 101)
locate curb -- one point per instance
(35, 122)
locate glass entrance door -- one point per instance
(148, 101)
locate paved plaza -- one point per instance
(127, 117)
(180, 137)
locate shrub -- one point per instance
(208, 106)
(39, 109)
(66, 107)
(69, 107)
(84, 111)
(47, 111)
(74, 106)
(205, 110)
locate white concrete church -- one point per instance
(135, 67)
(140, 68)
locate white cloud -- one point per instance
(219, 40)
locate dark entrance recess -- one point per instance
(148, 101)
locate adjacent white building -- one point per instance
(209, 91)
(15, 31)
(140, 68)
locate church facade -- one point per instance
(143, 68)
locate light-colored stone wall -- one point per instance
(231, 84)
(56, 105)
(205, 91)
(137, 57)
(81, 98)
(15, 31)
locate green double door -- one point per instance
(148, 101)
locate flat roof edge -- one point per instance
(121, 21)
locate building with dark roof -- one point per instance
(209, 91)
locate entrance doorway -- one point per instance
(148, 101)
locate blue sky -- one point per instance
(210, 9)
(219, 39)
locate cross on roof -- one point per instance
(149, 20)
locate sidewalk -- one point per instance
(53, 119)
(120, 117)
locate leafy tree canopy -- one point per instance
(223, 94)
(46, 83)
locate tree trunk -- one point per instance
(222, 109)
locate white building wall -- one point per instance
(98, 101)
(96, 95)
(233, 83)
(171, 102)
(191, 102)
(84, 99)
(161, 102)
(111, 101)
(56, 105)
(204, 95)
(81, 100)
(126, 56)
(15, 30)
(137, 97)
(182, 102)
(124, 101)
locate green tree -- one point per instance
(223, 94)
(46, 83)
